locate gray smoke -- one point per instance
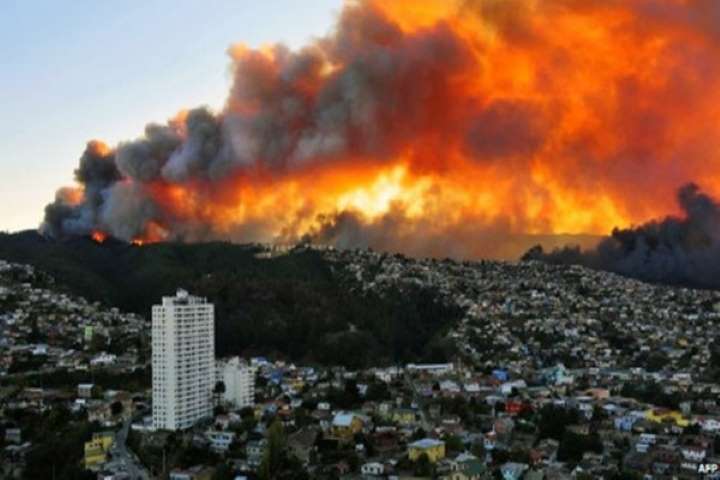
(144, 159)
(435, 97)
(97, 172)
(681, 251)
(283, 114)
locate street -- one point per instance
(123, 459)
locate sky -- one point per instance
(88, 69)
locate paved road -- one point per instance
(123, 458)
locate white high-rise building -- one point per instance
(183, 361)
(239, 380)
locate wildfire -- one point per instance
(432, 127)
(98, 236)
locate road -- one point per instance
(125, 460)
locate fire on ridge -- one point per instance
(429, 127)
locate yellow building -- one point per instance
(346, 425)
(434, 449)
(96, 450)
(297, 384)
(403, 416)
(667, 416)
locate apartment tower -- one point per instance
(239, 380)
(183, 361)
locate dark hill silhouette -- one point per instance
(297, 305)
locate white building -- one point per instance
(239, 380)
(372, 469)
(220, 441)
(432, 368)
(183, 361)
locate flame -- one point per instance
(98, 236)
(439, 121)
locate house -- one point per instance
(431, 368)
(254, 452)
(534, 475)
(13, 435)
(500, 375)
(449, 387)
(710, 424)
(198, 472)
(515, 407)
(557, 375)
(107, 475)
(220, 441)
(100, 412)
(579, 428)
(472, 388)
(434, 449)
(345, 425)
(85, 390)
(372, 469)
(103, 359)
(96, 450)
(507, 388)
(404, 416)
(490, 441)
(468, 467)
(693, 453)
(666, 416)
(512, 470)
(625, 423)
(385, 440)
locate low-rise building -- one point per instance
(96, 450)
(434, 449)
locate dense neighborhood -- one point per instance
(553, 372)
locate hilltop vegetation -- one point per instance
(298, 305)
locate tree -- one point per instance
(423, 466)
(377, 391)
(625, 475)
(553, 421)
(223, 472)
(573, 446)
(116, 408)
(218, 392)
(275, 454)
(98, 343)
(599, 414)
(418, 434)
(454, 443)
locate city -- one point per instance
(540, 385)
(360, 240)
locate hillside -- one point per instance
(361, 308)
(300, 305)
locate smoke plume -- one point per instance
(677, 250)
(432, 127)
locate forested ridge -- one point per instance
(298, 305)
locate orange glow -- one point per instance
(442, 121)
(98, 236)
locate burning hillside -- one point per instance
(429, 127)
